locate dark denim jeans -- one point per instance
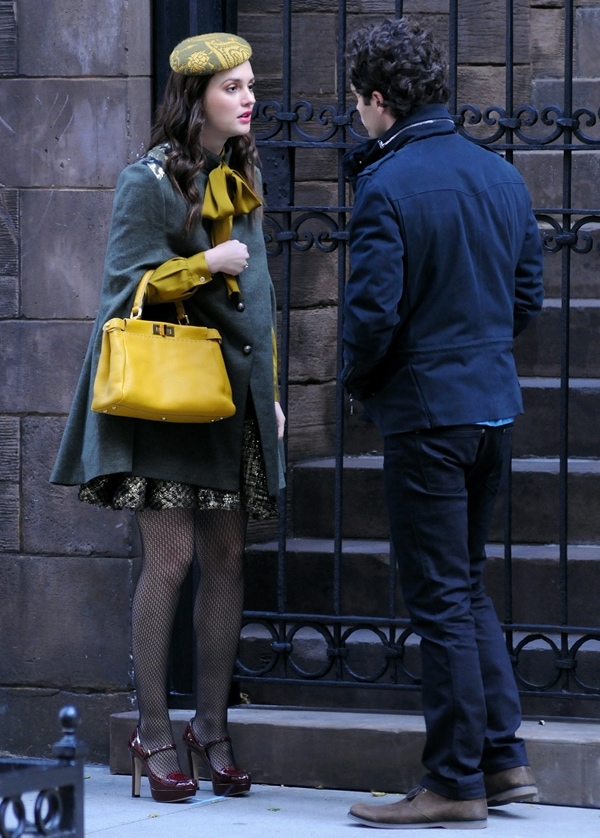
(441, 487)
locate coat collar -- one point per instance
(423, 121)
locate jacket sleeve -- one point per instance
(178, 279)
(529, 288)
(374, 289)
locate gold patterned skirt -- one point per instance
(128, 491)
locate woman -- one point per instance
(190, 209)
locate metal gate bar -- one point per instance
(286, 127)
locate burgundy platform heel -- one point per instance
(227, 781)
(170, 789)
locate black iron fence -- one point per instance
(45, 796)
(523, 82)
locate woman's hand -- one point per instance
(230, 257)
(280, 416)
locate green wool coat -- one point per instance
(147, 229)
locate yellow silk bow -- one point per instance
(227, 195)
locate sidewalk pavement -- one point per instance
(272, 811)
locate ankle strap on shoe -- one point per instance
(150, 752)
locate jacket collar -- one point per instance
(423, 121)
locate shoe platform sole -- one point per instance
(422, 825)
(521, 794)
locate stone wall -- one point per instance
(75, 108)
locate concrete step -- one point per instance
(535, 500)
(381, 751)
(538, 349)
(365, 589)
(537, 431)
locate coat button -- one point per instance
(247, 349)
(241, 307)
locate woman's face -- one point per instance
(228, 103)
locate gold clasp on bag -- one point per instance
(163, 329)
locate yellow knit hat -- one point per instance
(204, 55)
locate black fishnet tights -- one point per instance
(170, 537)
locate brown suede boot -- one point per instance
(510, 786)
(422, 808)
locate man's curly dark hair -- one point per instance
(399, 59)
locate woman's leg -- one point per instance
(168, 551)
(220, 541)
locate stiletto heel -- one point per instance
(136, 776)
(194, 763)
(175, 786)
(227, 781)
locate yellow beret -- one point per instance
(204, 55)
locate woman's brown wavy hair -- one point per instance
(178, 122)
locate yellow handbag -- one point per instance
(167, 372)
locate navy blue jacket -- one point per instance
(446, 267)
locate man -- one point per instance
(446, 268)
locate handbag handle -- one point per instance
(138, 301)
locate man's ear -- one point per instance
(378, 100)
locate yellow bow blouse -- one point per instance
(226, 195)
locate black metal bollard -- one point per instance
(52, 788)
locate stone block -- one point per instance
(10, 516)
(9, 232)
(410, 7)
(480, 25)
(87, 38)
(551, 92)
(314, 68)
(311, 420)
(267, 7)
(483, 86)
(313, 344)
(587, 32)
(66, 622)
(8, 38)
(63, 248)
(71, 132)
(548, 41)
(54, 521)
(317, 164)
(313, 265)
(10, 448)
(9, 297)
(29, 720)
(312, 424)
(10, 469)
(41, 364)
(584, 268)
(314, 280)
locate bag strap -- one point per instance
(138, 301)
